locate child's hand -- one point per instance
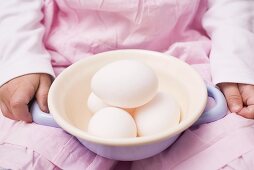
(240, 98)
(17, 93)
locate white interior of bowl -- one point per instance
(69, 92)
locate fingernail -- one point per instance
(45, 109)
(29, 118)
(235, 108)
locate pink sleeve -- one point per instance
(231, 28)
(21, 48)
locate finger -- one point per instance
(6, 112)
(19, 103)
(247, 112)
(42, 93)
(247, 92)
(232, 95)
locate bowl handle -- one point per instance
(41, 117)
(218, 111)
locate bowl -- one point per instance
(67, 101)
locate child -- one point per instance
(37, 45)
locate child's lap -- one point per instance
(226, 143)
(32, 145)
(19, 157)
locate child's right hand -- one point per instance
(16, 94)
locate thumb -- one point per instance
(42, 92)
(19, 101)
(233, 96)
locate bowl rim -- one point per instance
(82, 135)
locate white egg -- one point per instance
(158, 115)
(95, 104)
(111, 122)
(125, 83)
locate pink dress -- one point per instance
(74, 29)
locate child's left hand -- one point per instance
(240, 98)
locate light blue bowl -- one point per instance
(68, 95)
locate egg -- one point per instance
(111, 122)
(125, 83)
(95, 104)
(160, 114)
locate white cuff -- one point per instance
(13, 69)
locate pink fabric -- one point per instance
(225, 144)
(78, 28)
(48, 148)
